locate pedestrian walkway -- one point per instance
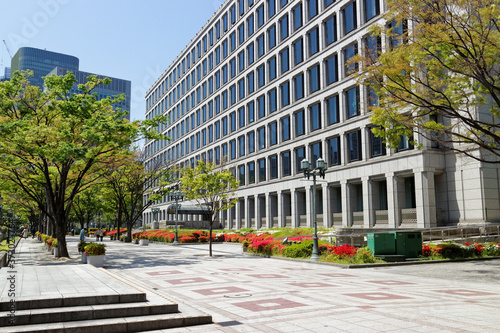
(255, 294)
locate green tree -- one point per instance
(439, 75)
(213, 189)
(135, 188)
(57, 141)
(87, 205)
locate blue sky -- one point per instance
(134, 40)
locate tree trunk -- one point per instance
(210, 235)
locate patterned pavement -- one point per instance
(255, 294)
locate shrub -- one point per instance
(95, 249)
(81, 246)
(302, 250)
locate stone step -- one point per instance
(76, 313)
(68, 301)
(131, 324)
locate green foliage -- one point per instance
(437, 74)
(302, 250)
(95, 249)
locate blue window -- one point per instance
(313, 37)
(224, 100)
(250, 25)
(217, 30)
(232, 10)
(251, 172)
(262, 170)
(260, 16)
(250, 83)
(251, 112)
(210, 85)
(251, 142)
(217, 130)
(332, 109)
(232, 145)
(273, 133)
(271, 36)
(372, 9)
(285, 94)
(272, 7)
(283, 27)
(300, 126)
(285, 128)
(349, 13)
(300, 154)
(315, 117)
(283, 3)
(314, 80)
(286, 163)
(331, 69)
(224, 74)
(315, 150)
(241, 33)
(333, 151)
(224, 126)
(210, 37)
(241, 144)
(250, 52)
(331, 30)
(298, 51)
(241, 89)
(224, 22)
(349, 53)
(312, 8)
(273, 165)
(232, 117)
(241, 6)
(297, 17)
(261, 104)
(329, 2)
(217, 80)
(284, 59)
(217, 155)
(224, 152)
(241, 117)
(217, 55)
(299, 86)
(272, 101)
(210, 109)
(210, 61)
(272, 68)
(217, 105)
(241, 61)
(260, 46)
(232, 64)
(377, 146)
(352, 102)
(232, 90)
(262, 137)
(373, 47)
(354, 145)
(261, 74)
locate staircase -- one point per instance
(129, 312)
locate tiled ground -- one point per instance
(253, 294)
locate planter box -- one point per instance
(51, 250)
(144, 241)
(97, 261)
(84, 258)
(56, 252)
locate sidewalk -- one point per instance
(254, 294)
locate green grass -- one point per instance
(4, 247)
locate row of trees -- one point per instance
(68, 157)
(58, 150)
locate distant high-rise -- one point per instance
(41, 62)
(44, 63)
(7, 73)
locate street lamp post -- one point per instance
(177, 196)
(321, 167)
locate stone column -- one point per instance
(393, 207)
(293, 202)
(281, 209)
(346, 204)
(327, 209)
(425, 197)
(368, 218)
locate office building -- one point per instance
(264, 85)
(44, 63)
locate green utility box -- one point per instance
(408, 243)
(381, 244)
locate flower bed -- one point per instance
(459, 251)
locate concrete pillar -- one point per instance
(281, 210)
(425, 197)
(393, 206)
(257, 212)
(237, 213)
(327, 209)
(309, 210)
(368, 218)
(293, 199)
(346, 204)
(247, 213)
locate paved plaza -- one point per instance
(254, 294)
